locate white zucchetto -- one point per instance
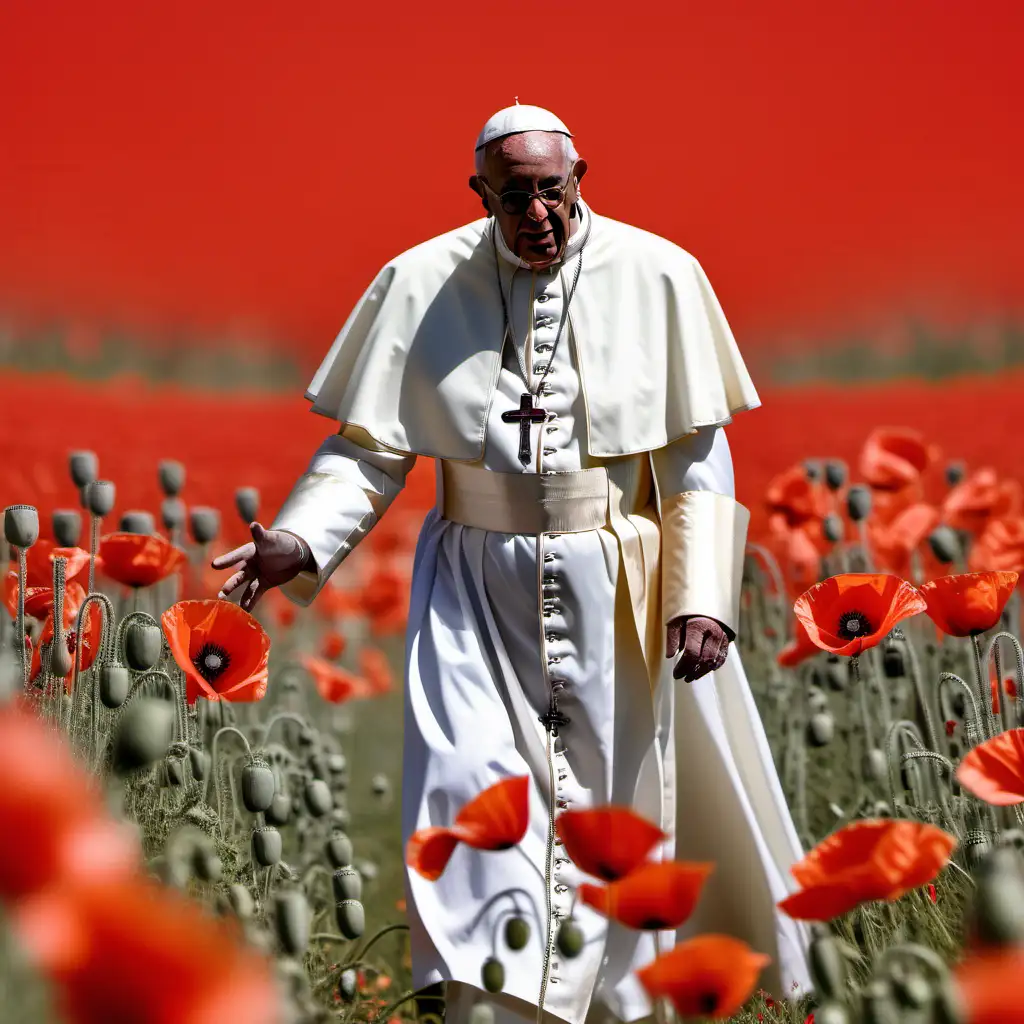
(519, 118)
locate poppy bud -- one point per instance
(348, 985)
(206, 865)
(569, 939)
(875, 766)
(336, 763)
(367, 869)
(292, 920)
(247, 501)
(241, 901)
(821, 729)
(912, 991)
(266, 846)
(835, 474)
(837, 674)
(997, 910)
(955, 473)
(172, 513)
(380, 784)
(892, 662)
(317, 795)
(138, 522)
(280, 810)
(347, 884)
(204, 522)
(199, 762)
(115, 682)
(172, 477)
(339, 850)
(944, 543)
(175, 768)
(100, 496)
(143, 645)
(84, 467)
(351, 918)
(493, 975)
(517, 933)
(827, 965)
(832, 528)
(812, 469)
(858, 502)
(59, 655)
(257, 785)
(481, 1013)
(21, 525)
(67, 527)
(879, 1007)
(143, 734)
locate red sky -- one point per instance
(830, 164)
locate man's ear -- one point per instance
(580, 170)
(474, 184)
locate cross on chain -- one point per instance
(553, 719)
(525, 415)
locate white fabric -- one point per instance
(482, 650)
(416, 363)
(519, 118)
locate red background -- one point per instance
(248, 166)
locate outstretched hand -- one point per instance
(271, 558)
(702, 645)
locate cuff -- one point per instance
(703, 540)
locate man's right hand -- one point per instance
(271, 558)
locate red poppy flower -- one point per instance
(933, 893)
(989, 986)
(220, 647)
(892, 544)
(139, 560)
(497, 819)
(376, 669)
(866, 860)
(979, 498)
(796, 498)
(39, 562)
(333, 602)
(969, 603)
(333, 645)
(90, 638)
(607, 842)
(1000, 546)
(384, 601)
(53, 814)
(950, 727)
(136, 951)
(892, 458)
(706, 976)
(994, 770)
(797, 650)
(652, 898)
(334, 684)
(849, 613)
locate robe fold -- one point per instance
(501, 621)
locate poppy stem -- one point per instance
(24, 650)
(922, 698)
(865, 711)
(983, 695)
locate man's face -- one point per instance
(531, 162)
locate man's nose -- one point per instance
(537, 210)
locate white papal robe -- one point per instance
(499, 621)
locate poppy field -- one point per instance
(206, 801)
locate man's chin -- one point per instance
(539, 259)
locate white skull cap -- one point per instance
(519, 118)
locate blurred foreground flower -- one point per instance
(607, 842)
(867, 860)
(894, 458)
(221, 648)
(335, 684)
(799, 649)
(653, 897)
(139, 560)
(970, 603)
(989, 985)
(994, 770)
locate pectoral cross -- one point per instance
(524, 415)
(553, 720)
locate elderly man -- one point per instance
(575, 591)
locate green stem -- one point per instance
(984, 694)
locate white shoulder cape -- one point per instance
(416, 364)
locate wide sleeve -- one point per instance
(704, 528)
(349, 484)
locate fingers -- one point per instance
(233, 582)
(252, 594)
(705, 651)
(674, 636)
(689, 658)
(242, 554)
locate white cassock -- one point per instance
(557, 578)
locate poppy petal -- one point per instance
(607, 842)
(429, 850)
(994, 770)
(654, 897)
(498, 818)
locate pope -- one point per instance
(575, 591)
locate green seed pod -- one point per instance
(100, 496)
(317, 795)
(913, 991)
(339, 850)
(336, 763)
(858, 502)
(351, 918)
(204, 524)
(138, 522)
(83, 466)
(143, 734)
(199, 761)
(821, 729)
(292, 919)
(21, 525)
(175, 768)
(206, 865)
(837, 674)
(481, 1013)
(828, 967)
(517, 933)
(997, 910)
(569, 939)
(171, 475)
(832, 528)
(945, 544)
(348, 986)
(955, 473)
(172, 513)
(67, 527)
(247, 501)
(115, 682)
(60, 657)
(493, 975)
(875, 766)
(347, 884)
(266, 846)
(380, 784)
(257, 785)
(243, 906)
(280, 810)
(835, 474)
(143, 645)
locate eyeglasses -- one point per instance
(516, 202)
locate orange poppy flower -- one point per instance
(333, 645)
(799, 649)
(137, 951)
(796, 498)
(652, 898)
(497, 819)
(376, 669)
(894, 457)
(866, 860)
(220, 647)
(90, 639)
(334, 684)
(139, 560)
(53, 813)
(39, 562)
(607, 842)
(384, 601)
(1000, 546)
(849, 613)
(706, 976)
(892, 544)
(333, 602)
(994, 770)
(969, 603)
(989, 986)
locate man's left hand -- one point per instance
(702, 645)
